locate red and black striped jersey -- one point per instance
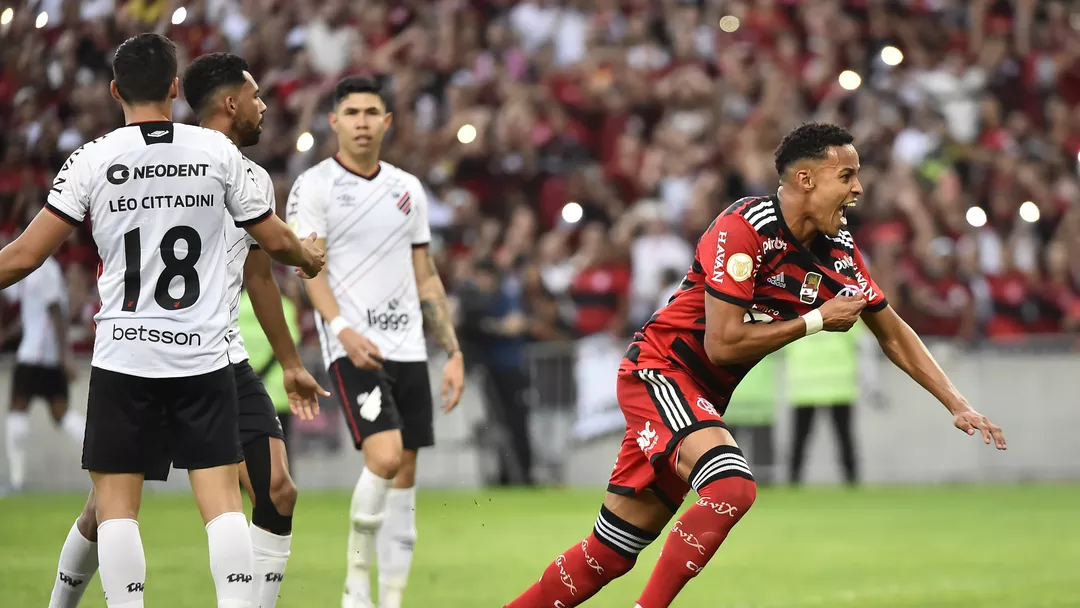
(748, 257)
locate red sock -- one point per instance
(579, 573)
(726, 490)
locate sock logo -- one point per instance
(590, 560)
(135, 587)
(238, 577)
(564, 576)
(688, 538)
(274, 577)
(721, 508)
(67, 580)
(559, 604)
(692, 567)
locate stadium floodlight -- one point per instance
(179, 15)
(572, 213)
(42, 20)
(729, 23)
(849, 80)
(891, 55)
(1029, 212)
(7, 16)
(304, 142)
(466, 134)
(976, 217)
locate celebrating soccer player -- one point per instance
(768, 271)
(158, 196)
(372, 217)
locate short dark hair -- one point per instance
(210, 73)
(357, 84)
(144, 67)
(810, 140)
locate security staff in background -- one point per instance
(822, 373)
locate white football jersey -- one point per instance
(43, 288)
(371, 225)
(158, 195)
(240, 243)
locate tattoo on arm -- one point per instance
(436, 308)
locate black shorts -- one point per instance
(46, 381)
(258, 417)
(397, 397)
(139, 425)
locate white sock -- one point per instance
(271, 555)
(74, 424)
(123, 563)
(366, 513)
(18, 427)
(78, 563)
(395, 545)
(231, 560)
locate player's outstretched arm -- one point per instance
(40, 240)
(906, 350)
(301, 387)
(436, 310)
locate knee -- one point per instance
(723, 481)
(283, 494)
(384, 463)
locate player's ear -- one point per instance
(115, 92)
(805, 179)
(332, 118)
(389, 119)
(174, 88)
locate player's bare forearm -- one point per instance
(279, 241)
(25, 254)
(906, 350)
(266, 302)
(433, 301)
(729, 340)
(322, 297)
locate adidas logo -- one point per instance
(777, 280)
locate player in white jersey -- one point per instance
(226, 98)
(158, 196)
(380, 280)
(42, 363)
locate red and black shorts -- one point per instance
(661, 407)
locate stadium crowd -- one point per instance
(573, 150)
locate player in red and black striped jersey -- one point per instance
(768, 271)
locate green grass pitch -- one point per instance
(1015, 546)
